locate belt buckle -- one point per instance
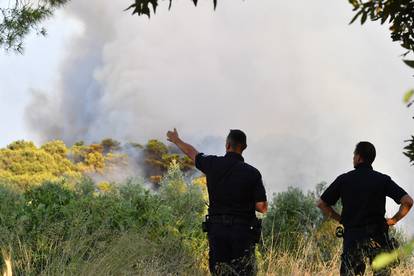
(227, 220)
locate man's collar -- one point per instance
(363, 166)
(234, 155)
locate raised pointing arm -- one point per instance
(187, 149)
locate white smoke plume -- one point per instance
(128, 165)
(302, 83)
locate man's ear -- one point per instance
(359, 158)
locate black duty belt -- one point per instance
(369, 228)
(229, 219)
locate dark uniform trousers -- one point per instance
(232, 249)
(360, 244)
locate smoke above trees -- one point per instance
(303, 85)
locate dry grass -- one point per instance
(306, 260)
(7, 269)
(134, 254)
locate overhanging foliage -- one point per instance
(20, 17)
(140, 7)
(398, 13)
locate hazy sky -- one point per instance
(36, 68)
(303, 84)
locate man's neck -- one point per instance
(234, 155)
(233, 151)
(363, 165)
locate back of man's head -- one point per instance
(366, 151)
(237, 140)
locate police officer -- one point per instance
(235, 192)
(362, 193)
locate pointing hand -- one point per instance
(172, 136)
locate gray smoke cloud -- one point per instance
(304, 85)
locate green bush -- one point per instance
(292, 215)
(60, 228)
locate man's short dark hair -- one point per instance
(366, 150)
(237, 137)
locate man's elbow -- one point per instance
(321, 204)
(192, 155)
(407, 201)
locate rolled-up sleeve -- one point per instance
(204, 162)
(259, 190)
(333, 192)
(394, 191)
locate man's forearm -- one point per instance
(331, 213)
(187, 149)
(406, 204)
(328, 211)
(402, 212)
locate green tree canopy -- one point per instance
(24, 164)
(110, 145)
(398, 13)
(409, 149)
(157, 159)
(20, 17)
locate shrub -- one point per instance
(292, 215)
(60, 228)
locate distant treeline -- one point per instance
(24, 164)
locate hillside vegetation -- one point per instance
(55, 220)
(24, 164)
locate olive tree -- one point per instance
(20, 17)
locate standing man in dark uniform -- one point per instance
(362, 193)
(235, 192)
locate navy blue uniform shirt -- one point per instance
(233, 186)
(362, 193)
